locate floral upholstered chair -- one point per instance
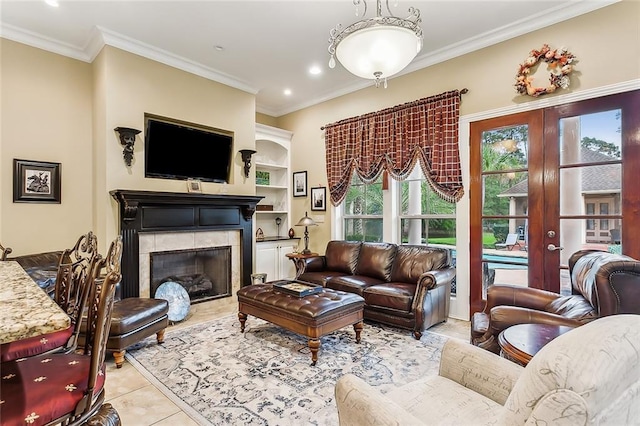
(590, 375)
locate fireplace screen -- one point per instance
(205, 273)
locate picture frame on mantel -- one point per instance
(319, 199)
(300, 184)
(36, 182)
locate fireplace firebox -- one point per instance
(205, 273)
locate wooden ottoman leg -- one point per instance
(314, 345)
(243, 318)
(119, 357)
(160, 336)
(357, 327)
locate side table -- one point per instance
(298, 260)
(519, 343)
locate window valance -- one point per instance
(395, 138)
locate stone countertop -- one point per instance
(25, 310)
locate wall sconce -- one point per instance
(246, 158)
(127, 140)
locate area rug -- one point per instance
(220, 376)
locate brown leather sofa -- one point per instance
(602, 284)
(404, 286)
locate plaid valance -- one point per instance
(395, 138)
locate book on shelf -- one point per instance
(297, 288)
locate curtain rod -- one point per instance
(397, 107)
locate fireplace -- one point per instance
(204, 273)
(191, 221)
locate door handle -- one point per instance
(552, 247)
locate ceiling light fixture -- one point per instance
(379, 47)
(287, 92)
(315, 70)
(52, 3)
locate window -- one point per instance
(425, 218)
(363, 211)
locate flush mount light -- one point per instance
(287, 92)
(379, 47)
(315, 70)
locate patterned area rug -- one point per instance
(220, 376)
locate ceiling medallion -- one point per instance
(378, 47)
(559, 64)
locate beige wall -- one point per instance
(59, 109)
(489, 75)
(46, 116)
(63, 110)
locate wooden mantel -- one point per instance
(150, 211)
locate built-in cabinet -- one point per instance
(273, 182)
(271, 259)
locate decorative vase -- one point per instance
(292, 233)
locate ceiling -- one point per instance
(268, 46)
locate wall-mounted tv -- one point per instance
(179, 150)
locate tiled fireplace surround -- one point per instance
(165, 241)
(161, 221)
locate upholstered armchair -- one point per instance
(602, 284)
(567, 383)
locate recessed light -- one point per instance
(52, 3)
(287, 92)
(219, 48)
(315, 70)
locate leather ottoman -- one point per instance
(312, 316)
(135, 319)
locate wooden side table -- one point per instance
(519, 343)
(298, 260)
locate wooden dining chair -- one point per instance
(66, 388)
(4, 252)
(73, 275)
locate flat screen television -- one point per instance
(180, 150)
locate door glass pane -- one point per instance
(505, 148)
(591, 138)
(505, 194)
(591, 187)
(504, 255)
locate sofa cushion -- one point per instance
(397, 296)
(319, 278)
(342, 256)
(412, 261)
(376, 260)
(352, 283)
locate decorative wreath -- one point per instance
(558, 62)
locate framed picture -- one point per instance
(193, 185)
(36, 182)
(319, 198)
(300, 184)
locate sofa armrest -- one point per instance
(436, 278)
(479, 370)
(361, 404)
(526, 297)
(503, 317)
(311, 264)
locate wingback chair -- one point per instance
(590, 375)
(602, 284)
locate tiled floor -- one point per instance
(140, 403)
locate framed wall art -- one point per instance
(300, 184)
(194, 185)
(36, 182)
(319, 199)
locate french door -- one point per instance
(562, 179)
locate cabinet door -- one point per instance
(266, 260)
(287, 267)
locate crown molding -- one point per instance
(39, 41)
(498, 35)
